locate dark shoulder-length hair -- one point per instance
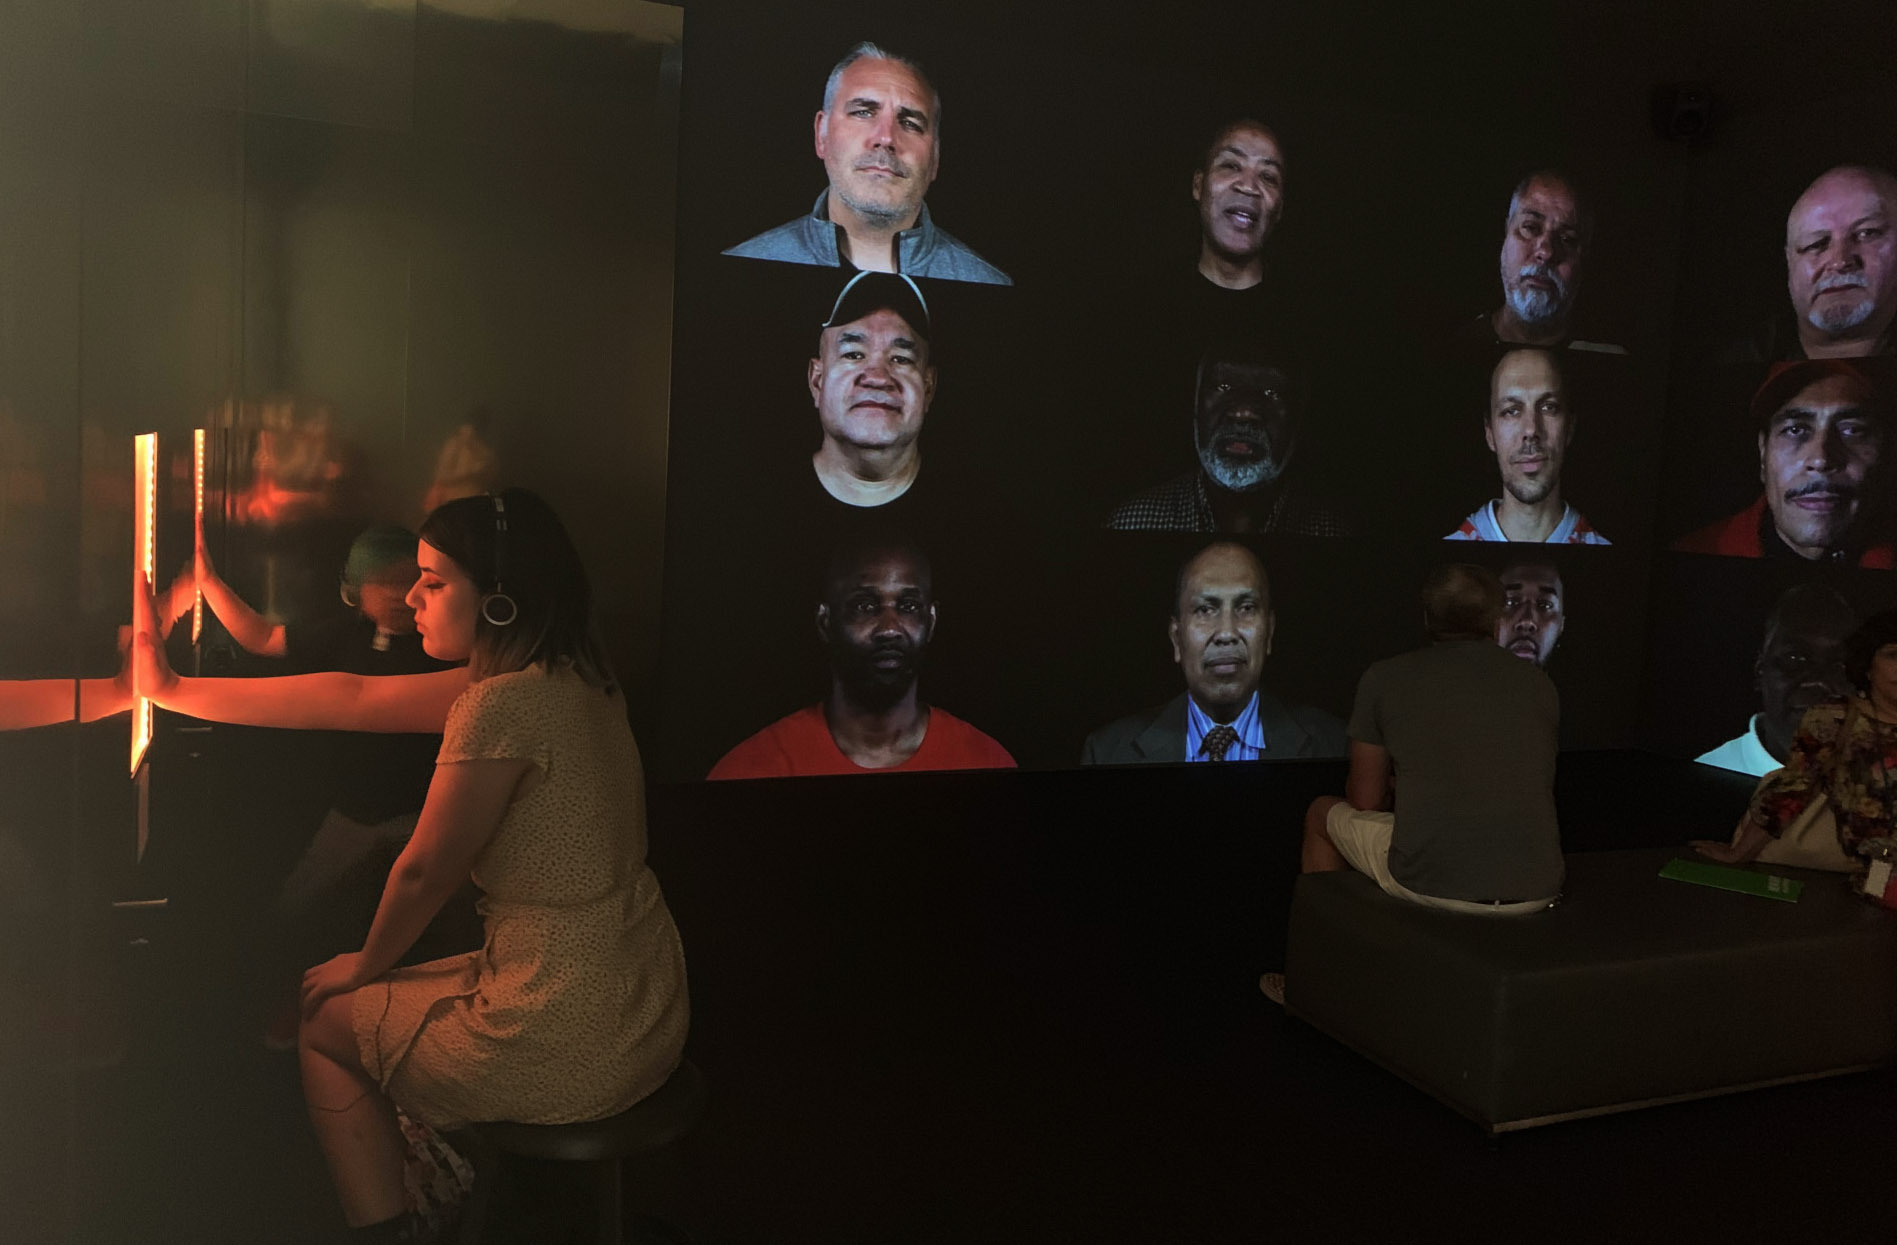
(516, 550)
(1860, 647)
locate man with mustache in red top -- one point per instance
(1822, 427)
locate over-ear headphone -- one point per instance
(497, 607)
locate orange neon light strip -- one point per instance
(197, 525)
(145, 557)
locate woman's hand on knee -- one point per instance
(338, 975)
(1747, 842)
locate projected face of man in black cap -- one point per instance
(872, 383)
(1243, 428)
(876, 622)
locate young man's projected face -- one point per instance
(1541, 255)
(1221, 628)
(1243, 429)
(1533, 611)
(872, 383)
(446, 603)
(1818, 458)
(1841, 252)
(876, 623)
(877, 140)
(1240, 191)
(1529, 425)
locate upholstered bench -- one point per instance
(1632, 991)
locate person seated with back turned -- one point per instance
(1449, 802)
(1842, 752)
(575, 1008)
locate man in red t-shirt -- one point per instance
(876, 619)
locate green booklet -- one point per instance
(1731, 878)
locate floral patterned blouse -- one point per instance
(1844, 751)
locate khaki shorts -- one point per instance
(1364, 840)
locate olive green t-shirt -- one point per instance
(1471, 729)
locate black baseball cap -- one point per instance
(882, 291)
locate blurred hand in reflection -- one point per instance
(152, 675)
(253, 632)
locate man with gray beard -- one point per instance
(1544, 241)
(1245, 434)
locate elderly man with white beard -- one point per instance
(1245, 435)
(1544, 241)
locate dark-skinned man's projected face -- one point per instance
(1820, 456)
(1240, 192)
(1221, 628)
(1243, 428)
(1801, 665)
(877, 624)
(872, 383)
(1534, 609)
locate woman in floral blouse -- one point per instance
(1845, 751)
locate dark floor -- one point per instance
(981, 1033)
(1264, 1128)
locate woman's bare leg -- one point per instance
(1319, 854)
(354, 1121)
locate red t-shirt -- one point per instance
(801, 744)
(1738, 537)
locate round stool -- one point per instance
(650, 1124)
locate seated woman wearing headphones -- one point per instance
(576, 1007)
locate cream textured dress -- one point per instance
(576, 1007)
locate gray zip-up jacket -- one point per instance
(922, 251)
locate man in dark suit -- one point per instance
(1221, 634)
